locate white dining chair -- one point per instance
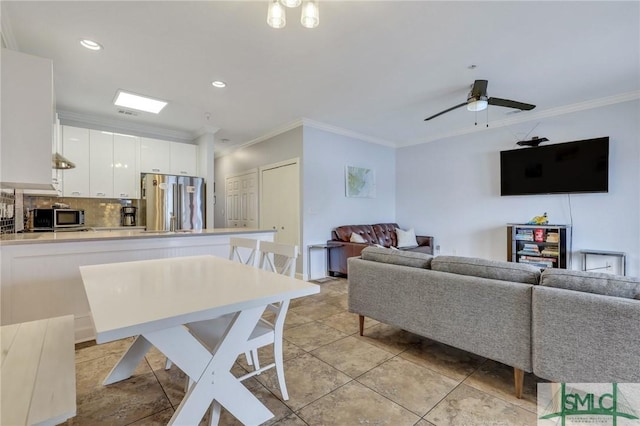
(266, 332)
(236, 245)
(236, 253)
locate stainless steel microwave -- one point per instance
(52, 219)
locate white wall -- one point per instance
(284, 146)
(324, 204)
(451, 188)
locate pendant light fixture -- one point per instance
(310, 14)
(291, 3)
(276, 16)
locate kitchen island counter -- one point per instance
(40, 272)
(114, 234)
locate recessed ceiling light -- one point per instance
(90, 44)
(218, 83)
(141, 103)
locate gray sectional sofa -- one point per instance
(564, 326)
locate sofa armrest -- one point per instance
(583, 337)
(425, 241)
(338, 255)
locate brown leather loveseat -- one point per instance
(383, 234)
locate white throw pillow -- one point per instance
(357, 238)
(406, 238)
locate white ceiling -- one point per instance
(373, 68)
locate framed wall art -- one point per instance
(360, 182)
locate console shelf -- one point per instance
(544, 246)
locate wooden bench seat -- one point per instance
(37, 374)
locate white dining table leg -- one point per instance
(129, 361)
(212, 372)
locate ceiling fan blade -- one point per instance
(479, 89)
(510, 104)
(445, 111)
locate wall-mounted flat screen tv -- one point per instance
(564, 168)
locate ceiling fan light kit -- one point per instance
(478, 101)
(276, 15)
(477, 104)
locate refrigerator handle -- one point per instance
(174, 214)
(180, 212)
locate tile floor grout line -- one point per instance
(386, 397)
(160, 383)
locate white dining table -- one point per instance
(154, 299)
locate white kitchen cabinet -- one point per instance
(28, 111)
(183, 159)
(100, 164)
(155, 156)
(126, 174)
(75, 147)
(165, 157)
(107, 164)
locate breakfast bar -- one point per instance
(40, 277)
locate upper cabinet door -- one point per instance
(155, 156)
(126, 175)
(75, 147)
(183, 159)
(101, 164)
(27, 121)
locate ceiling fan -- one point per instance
(478, 100)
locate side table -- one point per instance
(327, 247)
(600, 264)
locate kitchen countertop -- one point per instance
(97, 235)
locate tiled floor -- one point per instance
(334, 377)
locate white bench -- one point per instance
(37, 374)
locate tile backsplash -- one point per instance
(97, 212)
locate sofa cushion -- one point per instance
(386, 234)
(397, 257)
(343, 233)
(356, 238)
(492, 269)
(592, 282)
(406, 238)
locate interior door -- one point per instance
(241, 195)
(280, 202)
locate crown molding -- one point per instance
(307, 123)
(344, 132)
(270, 134)
(113, 125)
(532, 116)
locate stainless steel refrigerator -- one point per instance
(173, 203)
